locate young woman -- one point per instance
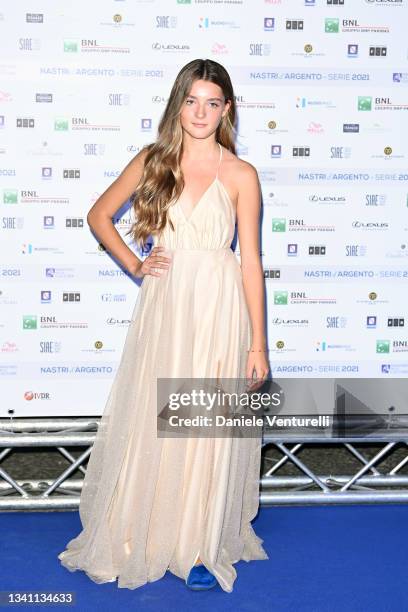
(151, 504)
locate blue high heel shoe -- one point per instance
(200, 579)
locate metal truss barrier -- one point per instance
(366, 485)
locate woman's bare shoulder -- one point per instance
(239, 168)
(238, 176)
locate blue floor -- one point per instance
(321, 559)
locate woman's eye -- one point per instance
(212, 104)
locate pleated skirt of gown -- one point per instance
(151, 504)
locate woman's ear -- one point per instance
(227, 107)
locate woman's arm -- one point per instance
(248, 213)
(100, 215)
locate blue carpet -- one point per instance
(321, 559)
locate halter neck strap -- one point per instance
(219, 163)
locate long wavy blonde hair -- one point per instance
(162, 180)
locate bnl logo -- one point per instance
(280, 298)
(383, 346)
(364, 103)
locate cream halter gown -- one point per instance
(151, 504)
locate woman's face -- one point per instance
(203, 109)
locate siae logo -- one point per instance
(259, 49)
(335, 322)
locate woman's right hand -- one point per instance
(153, 261)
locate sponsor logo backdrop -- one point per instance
(321, 89)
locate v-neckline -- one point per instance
(187, 219)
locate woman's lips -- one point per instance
(199, 124)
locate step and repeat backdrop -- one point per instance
(322, 96)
